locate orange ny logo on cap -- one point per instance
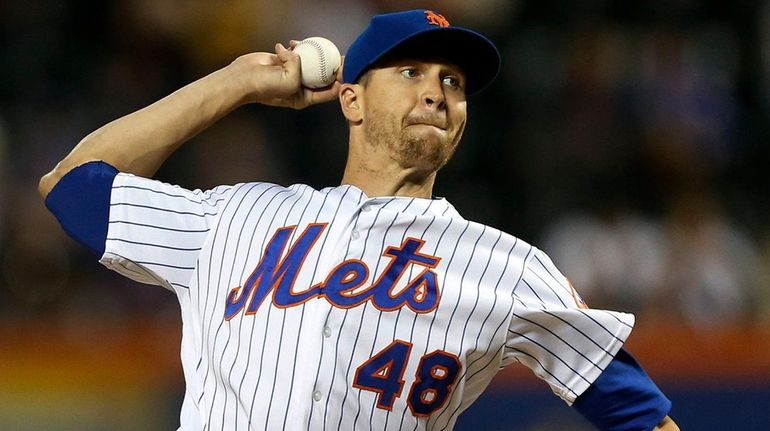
(436, 19)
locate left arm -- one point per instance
(578, 351)
(624, 398)
(667, 424)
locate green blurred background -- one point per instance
(626, 139)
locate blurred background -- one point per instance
(626, 139)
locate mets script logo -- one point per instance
(436, 18)
(344, 285)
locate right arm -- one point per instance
(140, 142)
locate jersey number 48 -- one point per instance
(383, 373)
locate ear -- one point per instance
(351, 98)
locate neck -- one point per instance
(388, 179)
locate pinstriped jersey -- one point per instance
(310, 309)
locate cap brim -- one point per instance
(476, 55)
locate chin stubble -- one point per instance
(407, 150)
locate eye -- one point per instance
(452, 81)
(409, 72)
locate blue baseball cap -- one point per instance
(423, 33)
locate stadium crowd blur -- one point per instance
(626, 139)
(628, 142)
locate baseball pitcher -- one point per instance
(367, 305)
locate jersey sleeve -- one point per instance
(556, 335)
(623, 398)
(156, 230)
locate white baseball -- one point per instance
(319, 59)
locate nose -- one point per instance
(433, 94)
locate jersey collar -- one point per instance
(436, 206)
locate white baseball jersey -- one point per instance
(329, 310)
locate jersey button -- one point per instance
(366, 207)
(317, 396)
(355, 234)
(327, 331)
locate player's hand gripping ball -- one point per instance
(319, 59)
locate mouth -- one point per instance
(435, 123)
(435, 126)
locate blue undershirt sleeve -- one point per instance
(81, 203)
(623, 398)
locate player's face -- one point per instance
(418, 110)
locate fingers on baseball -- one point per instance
(339, 69)
(321, 95)
(283, 53)
(289, 60)
(330, 92)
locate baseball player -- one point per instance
(368, 305)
